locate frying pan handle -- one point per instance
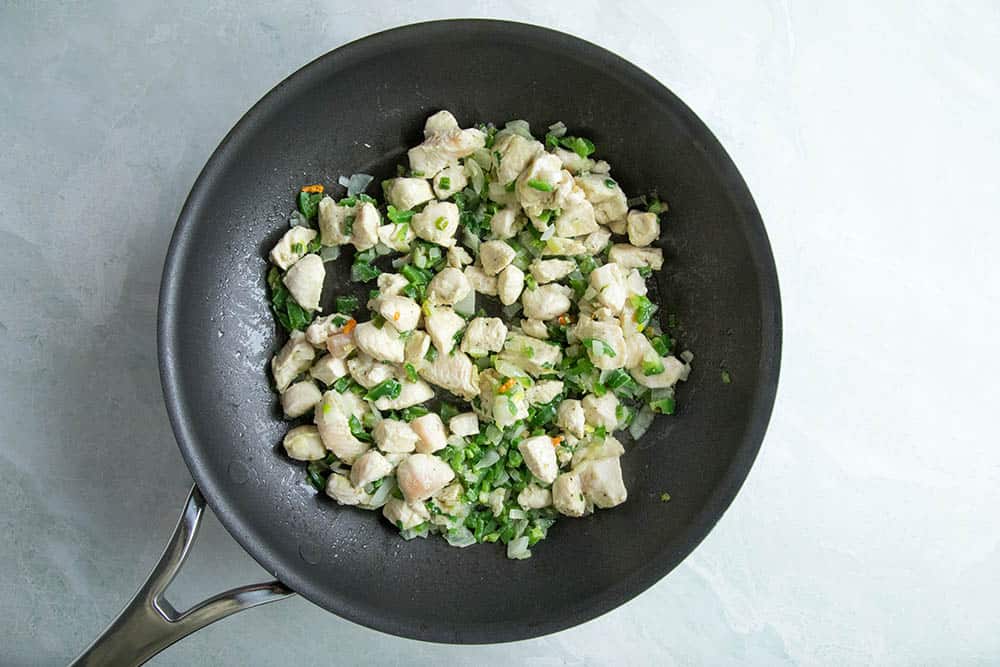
(149, 623)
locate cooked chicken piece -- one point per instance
(305, 281)
(541, 186)
(546, 302)
(607, 197)
(397, 236)
(540, 457)
(558, 246)
(328, 369)
(431, 431)
(504, 224)
(442, 324)
(401, 312)
(340, 345)
(509, 407)
(510, 284)
(303, 443)
(496, 500)
(380, 343)
(567, 495)
(601, 411)
(340, 489)
(516, 153)
(331, 419)
(495, 256)
(662, 373)
(437, 223)
(405, 193)
(392, 435)
(369, 372)
(570, 417)
(630, 257)
(322, 328)
(449, 499)
(604, 342)
(535, 356)
(534, 497)
(547, 270)
(596, 242)
(369, 467)
(464, 424)
(544, 391)
(454, 372)
(412, 393)
(643, 228)
(572, 162)
(602, 482)
(391, 284)
(450, 180)
(294, 358)
(599, 448)
(300, 398)
(576, 217)
(499, 194)
(535, 329)
(484, 335)
(422, 475)
(448, 287)
(443, 144)
(480, 281)
(458, 257)
(364, 231)
(609, 283)
(292, 247)
(333, 222)
(405, 515)
(416, 347)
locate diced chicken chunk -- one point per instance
(331, 419)
(405, 515)
(609, 283)
(416, 347)
(431, 431)
(454, 372)
(540, 457)
(601, 411)
(504, 223)
(458, 257)
(291, 247)
(340, 489)
(405, 193)
(367, 371)
(484, 335)
(397, 236)
(380, 343)
(401, 312)
(602, 482)
(606, 196)
(570, 417)
(412, 393)
(305, 281)
(535, 356)
(481, 281)
(464, 424)
(364, 231)
(328, 369)
(671, 369)
(303, 443)
(547, 270)
(604, 342)
(597, 241)
(333, 222)
(558, 246)
(509, 407)
(567, 495)
(392, 435)
(442, 324)
(300, 398)
(630, 257)
(369, 467)
(544, 391)
(437, 223)
(572, 162)
(322, 328)
(546, 302)
(577, 214)
(449, 499)
(534, 497)
(495, 256)
(535, 328)
(643, 228)
(391, 284)
(448, 287)
(599, 448)
(422, 475)
(516, 153)
(442, 146)
(510, 284)
(450, 180)
(294, 358)
(541, 186)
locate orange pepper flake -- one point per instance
(505, 387)
(556, 440)
(564, 320)
(349, 327)
(395, 316)
(312, 188)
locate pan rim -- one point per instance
(635, 582)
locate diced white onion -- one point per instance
(467, 306)
(356, 184)
(484, 157)
(547, 234)
(476, 176)
(517, 514)
(518, 549)
(558, 129)
(489, 458)
(381, 495)
(460, 537)
(507, 369)
(400, 261)
(296, 219)
(641, 423)
(328, 253)
(382, 249)
(520, 127)
(687, 356)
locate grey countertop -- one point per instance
(867, 532)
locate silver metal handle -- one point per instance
(148, 624)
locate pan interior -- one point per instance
(357, 109)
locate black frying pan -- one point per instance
(357, 109)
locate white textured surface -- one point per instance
(868, 530)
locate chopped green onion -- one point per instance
(645, 271)
(539, 185)
(387, 388)
(617, 378)
(579, 145)
(346, 304)
(598, 346)
(445, 183)
(414, 411)
(665, 497)
(441, 223)
(609, 183)
(726, 377)
(661, 344)
(357, 430)
(644, 309)
(343, 384)
(664, 406)
(309, 203)
(652, 367)
(395, 215)
(411, 373)
(298, 248)
(510, 186)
